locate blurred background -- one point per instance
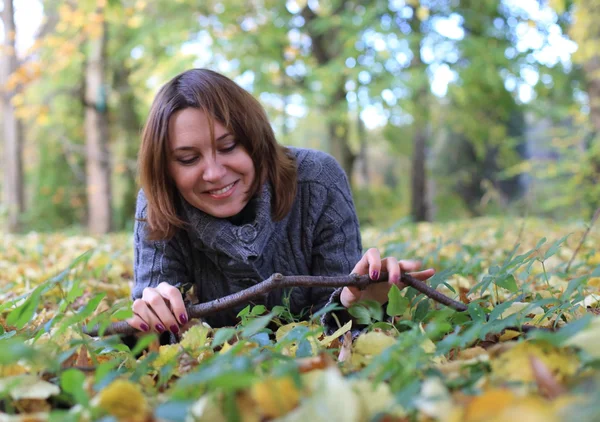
(437, 109)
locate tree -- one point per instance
(13, 131)
(485, 123)
(96, 131)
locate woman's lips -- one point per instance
(224, 192)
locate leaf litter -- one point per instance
(425, 362)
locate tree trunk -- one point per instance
(419, 204)
(96, 138)
(338, 127)
(419, 208)
(13, 131)
(364, 158)
(131, 125)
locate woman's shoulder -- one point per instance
(317, 166)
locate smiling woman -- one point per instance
(223, 206)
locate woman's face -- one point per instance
(214, 181)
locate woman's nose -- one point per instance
(213, 171)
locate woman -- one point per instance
(223, 206)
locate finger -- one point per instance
(349, 296)
(393, 269)
(138, 323)
(173, 295)
(143, 318)
(410, 265)
(157, 304)
(374, 263)
(423, 275)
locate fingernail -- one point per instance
(174, 329)
(375, 275)
(144, 327)
(160, 328)
(183, 318)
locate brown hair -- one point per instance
(222, 99)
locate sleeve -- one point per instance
(156, 261)
(337, 243)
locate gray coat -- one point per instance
(319, 236)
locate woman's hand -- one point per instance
(159, 309)
(372, 264)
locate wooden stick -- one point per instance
(277, 281)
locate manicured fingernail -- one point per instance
(183, 318)
(174, 329)
(375, 275)
(144, 327)
(160, 328)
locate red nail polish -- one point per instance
(183, 318)
(160, 328)
(375, 275)
(144, 327)
(174, 329)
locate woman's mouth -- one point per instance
(223, 192)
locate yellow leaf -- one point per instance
(206, 409)
(275, 397)
(488, 405)
(368, 345)
(124, 400)
(514, 364)
(326, 342)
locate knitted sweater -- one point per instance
(319, 236)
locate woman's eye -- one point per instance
(228, 148)
(187, 161)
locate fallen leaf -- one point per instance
(275, 396)
(123, 400)
(544, 378)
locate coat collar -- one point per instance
(245, 242)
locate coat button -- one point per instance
(247, 233)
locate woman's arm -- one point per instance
(160, 278)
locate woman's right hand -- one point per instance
(161, 308)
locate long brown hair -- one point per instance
(223, 100)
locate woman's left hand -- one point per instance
(372, 264)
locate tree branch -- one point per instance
(277, 281)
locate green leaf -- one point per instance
(222, 335)
(361, 314)
(499, 310)
(258, 310)
(477, 312)
(397, 304)
(574, 285)
(554, 247)
(24, 313)
(72, 381)
(256, 325)
(142, 343)
(596, 272)
(540, 243)
(508, 282)
(304, 349)
(421, 311)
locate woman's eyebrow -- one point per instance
(223, 136)
(187, 147)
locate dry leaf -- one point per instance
(275, 396)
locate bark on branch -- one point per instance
(277, 281)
